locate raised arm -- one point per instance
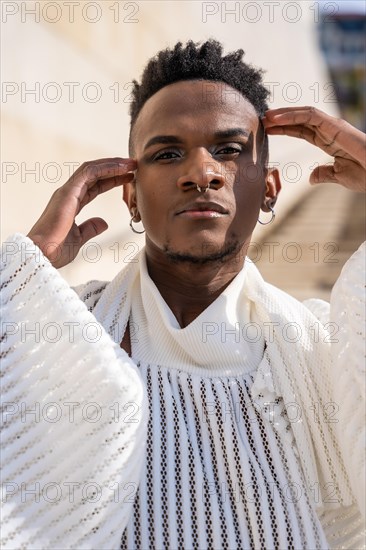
(74, 405)
(347, 305)
(56, 232)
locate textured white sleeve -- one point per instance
(319, 308)
(73, 414)
(348, 310)
(345, 316)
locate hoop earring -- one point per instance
(272, 217)
(133, 229)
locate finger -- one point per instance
(281, 110)
(91, 228)
(108, 170)
(323, 174)
(337, 135)
(106, 161)
(332, 148)
(301, 132)
(116, 181)
(311, 136)
(82, 187)
(102, 186)
(295, 115)
(89, 173)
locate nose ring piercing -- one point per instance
(203, 189)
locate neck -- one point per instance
(189, 288)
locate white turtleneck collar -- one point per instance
(225, 339)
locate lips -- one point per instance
(202, 206)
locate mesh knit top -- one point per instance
(233, 432)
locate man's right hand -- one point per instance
(56, 232)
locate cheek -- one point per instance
(249, 186)
(152, 194)
(150, 204)
(143, 191)
(249, 195)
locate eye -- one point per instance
(229, 150)
(166, 155)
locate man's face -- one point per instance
(198, 133)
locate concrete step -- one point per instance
(305, 252)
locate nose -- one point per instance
(201, 172)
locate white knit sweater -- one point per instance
(245, 429)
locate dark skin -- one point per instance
(216, 140)
(200, 158)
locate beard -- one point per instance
(219, 256)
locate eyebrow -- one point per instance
(231, 133)
(221, 134)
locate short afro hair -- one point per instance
(198, 61)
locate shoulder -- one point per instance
(90, 292)
(349, 288)
(319, 308)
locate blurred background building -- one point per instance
(321, 232)
(342, 36)
(67, 69)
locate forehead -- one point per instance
(188, 105)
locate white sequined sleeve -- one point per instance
(347, 312)
(73, 414)
(345, 319)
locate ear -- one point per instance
(273, 187)
(129, 197)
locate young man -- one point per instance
(160, 414)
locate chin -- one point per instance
(204, 253)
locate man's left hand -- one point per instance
(335, 136)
